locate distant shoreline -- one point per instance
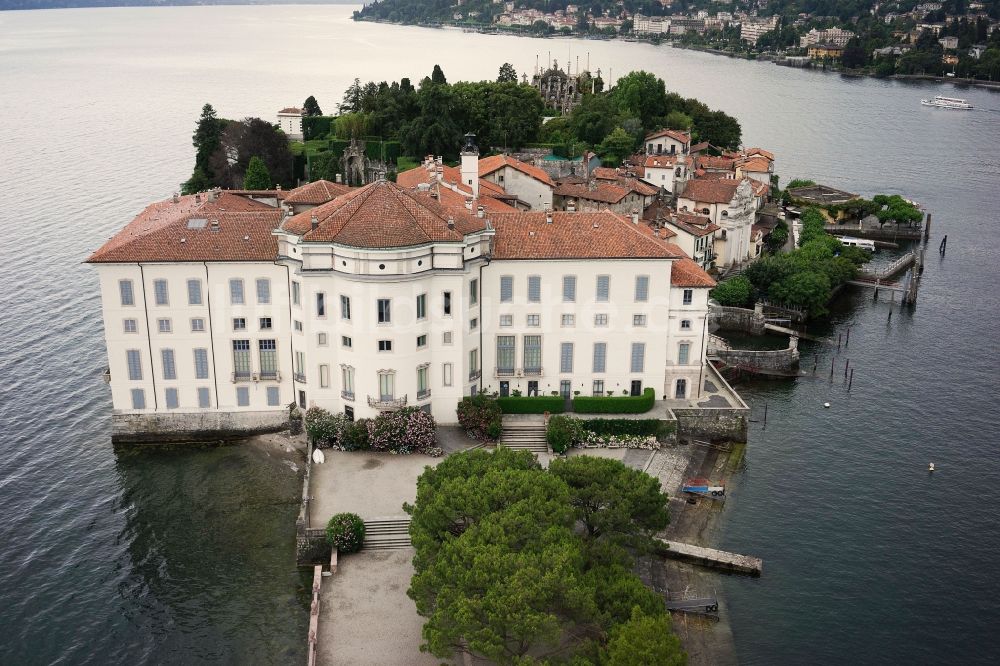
(28, 5)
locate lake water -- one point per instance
(186, 555)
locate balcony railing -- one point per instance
(300, 377)
(532, 372)
(423, 394)
(272, 376)
(505, 372)
(387, 403)
(347, 395)
(475, 374)
(240, 376)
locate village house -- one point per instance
(527, 182)
(825, 51)
(668, 172)
(732, 205)
(668, 142)
(290, 122)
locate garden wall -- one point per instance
(195, 426)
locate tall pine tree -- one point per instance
(206, 139)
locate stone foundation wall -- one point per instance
(737, 319)
(779, 360)
(166, 427)
(713, 425)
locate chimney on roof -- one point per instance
(177, 198)
(197, 198)
(470, 163)
(548, 217)
(480, 212)
(213, 225)
(570, 206)
(212, 195)
(451, 222)
(339, 179)
(277, 187)
(635, 216)
(440, 173)
(313, 222)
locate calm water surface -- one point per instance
(185, 555)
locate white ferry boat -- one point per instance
(862, 243)
(947, 102)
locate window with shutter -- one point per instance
(638, 356)
(641, 288)
(600, 356)
(566, 357)
(603, 288)
(194, 292)
(201, 364)
(534, 289)
(569, 288)
(506, 289)
(169, 367)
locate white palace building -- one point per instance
(223, 308)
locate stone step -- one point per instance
(388, 533)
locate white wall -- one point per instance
(535, 193)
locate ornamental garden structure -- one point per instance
(222, 308)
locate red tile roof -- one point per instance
(760, 151)
(758, 164)
(488, 165)
(161, 232)
(451, 176)
(687, 273)
(316, 192)
(603, 192)
(718, 163)
(383, 215)
(710, 190)
(638, 186)
(605, 173)
(696, 225)
(677, 135)
(659, 161)
(291, 110)
(603, 235)
(457, 200)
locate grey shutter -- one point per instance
(138, 399)
(569, 288)
(263, 291)
(506, 289)
(683, 353)
(204, 398)
(243, 396)
(236, 291)
(534, 289)
(201, 363)
(194, 292)
(172, 401)
(642, 288)
(566, 357)
(603, 288)
(127, 294)
(169, 367)
(638, 356)
(160, 292)
(273, 396)
(134, 361)
(600, 356)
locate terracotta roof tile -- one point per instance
(602, 235)
(291, 110)
(605, 173)
(718, 163)
(687, 273)
(162, 232)
(603, 192)
(316, 192)
(383, 215)
(710, 190)
(760, 151)
(677, 135)
(488, 165)
(696, 225)
(659, 161)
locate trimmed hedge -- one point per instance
(640, 427)
(346, 532)
(533, 405)
(615, 405)
(316, 127)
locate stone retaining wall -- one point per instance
(778, 360)
(310, 544)
(713, 425)
(166, 427)
(738, 319)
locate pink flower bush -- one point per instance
(407, 430)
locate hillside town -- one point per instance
(883, 38)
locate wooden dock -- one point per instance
(710, 557)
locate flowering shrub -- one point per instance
(324, 428)
(481, 417)
(354, 437)
(593, 440)
(563, 431)
(407, 430)
(346, 532)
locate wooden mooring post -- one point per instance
(846, 366)
(943, 246)
(850, 380)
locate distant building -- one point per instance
(949, 42)
(290, 122)
(558, 89)
(825, 51)
(752, 28)
(680, 25)
(831, 36)
(650, 25)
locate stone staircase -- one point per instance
(386, 533)
(528, 435)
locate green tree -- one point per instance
(507, 74)
(808, 289)
(641, 94)
(311, 107)
(593, 119)
(256, 176)
(644, 639)
(352, 98)
(437, 76)
(617, 145)
(206, 139)
(613, 501)
(198, 182)
(678, 120)
(735, 292)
